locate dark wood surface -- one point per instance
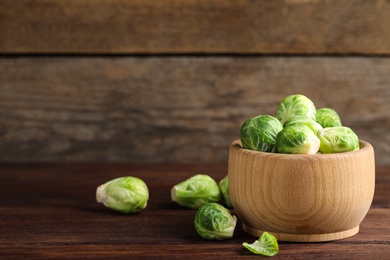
(49, 211)
(200, 26)
(151, 109)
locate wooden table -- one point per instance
(50, 211)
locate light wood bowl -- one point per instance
(301, 198)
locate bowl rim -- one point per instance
(364, 147)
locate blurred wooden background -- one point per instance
(173, 80)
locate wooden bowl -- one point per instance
(301, 198)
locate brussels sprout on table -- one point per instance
(297, 139)
(314, 126)
(295, 105)
(196, 191)
(214, 221)
(224, 187)
(266, 245)
(338, 139)
(327, 117)
(125, 194)
(259, 133)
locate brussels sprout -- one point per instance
(338, 139)
(125, 194)
(214, 221)
(196, 191)
(295, 105)
(259, 133)
(297, 139)
(327, 117)
(266, 245)
(306, 121)
(223, 186)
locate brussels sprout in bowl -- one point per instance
(338, 140)
(301, 197)
(327, 117)
(297, 139)
(295, 105)
(304, 120)
(259, 133)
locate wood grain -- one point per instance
(174, 109)
(48, 211)
(301, 197)
(199, 26)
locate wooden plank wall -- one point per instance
(172, 81)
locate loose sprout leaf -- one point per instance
(266, 245)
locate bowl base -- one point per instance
(304, 237)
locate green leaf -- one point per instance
(266, 245)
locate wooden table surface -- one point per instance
(50, 211)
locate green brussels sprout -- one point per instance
(314, 126)
(125, 194)
(338, 139)
(259, 133)
(266, 245)
(297, 139)
(214, 221)
(295, 105)
(327, 117)
(224, 187)
(196, 191)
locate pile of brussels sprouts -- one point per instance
(298, 128)
(201, 192)
(213, 219)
